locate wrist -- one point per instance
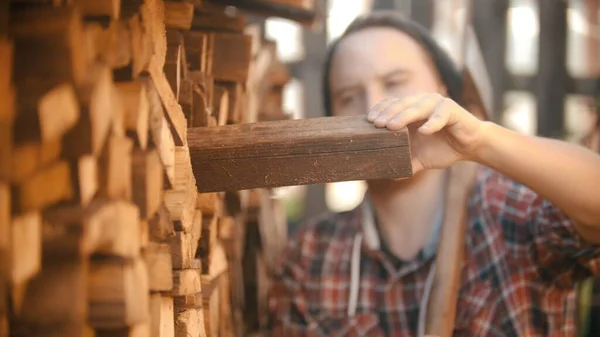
(483, 152)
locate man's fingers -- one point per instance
(418, 112)
(438, 120)
(381, 111)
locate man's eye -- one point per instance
(393, 84)
(347, 99)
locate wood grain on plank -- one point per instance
(296, 152)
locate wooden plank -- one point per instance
(37, 119)
(45, 188)
(55, 302)
(179, 15)
(111, 45)
(99, 106)
(158, 260)
(189, 322)
(183, 168)
(137, 110)
(186, 282)
(193, 301)
(301, 11)
(162, 313)
(186, 99)
(115, 167)
(137, 330)
(221, 104)
(26, 243)
(198, 50)
(173, 67)
(84, 175)
(29, 158)
(231, 57)
(7, 95)
(207, 203)
(118, 293)
(5, 233)
(160, 226)
(174, 113)
(147, 181)
(214, 18)
(303, 152)
(99, 8)
(56, 31)
(161, 136)
(103, 227)
(183, 248)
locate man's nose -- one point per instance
(374, 96)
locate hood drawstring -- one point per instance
(354, 275)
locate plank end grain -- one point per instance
(296, 152)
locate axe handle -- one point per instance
(441, 310)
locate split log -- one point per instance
(45, 188)
(147, 181)
(110, 228)
(26, 243)
(296, 152)
(160, 226)
(115, 169)
(173, 64)
(160, 132)
(179, 15)
(181, 205)
(56, 31)
(193, 301)
(99, 8)
(5, 227)
(231, 57)
(221, 104)
(29, 158)
(214, 18)
(84, 175)
(158, 259)
(162, 314)
(118, 293)
(189, 322)
(99, 106)
(111, 46)
(37, 105)
(135, 104)
(198, 50)
(137, 330)
(186, 282)
(6, 90)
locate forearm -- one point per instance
(566, 174)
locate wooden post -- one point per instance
(552, 69)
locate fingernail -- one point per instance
(371, 116)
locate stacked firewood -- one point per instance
(102, 229)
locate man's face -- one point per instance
(376, 63)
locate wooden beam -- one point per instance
(118, 293)
(552, 68)
(303, 12)
(296, 152)
(179, 15)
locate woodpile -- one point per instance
(102, 230)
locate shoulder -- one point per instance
(498, 194)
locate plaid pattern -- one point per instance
(522, 261)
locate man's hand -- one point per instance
(442, 132)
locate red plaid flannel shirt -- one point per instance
(522, 260)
